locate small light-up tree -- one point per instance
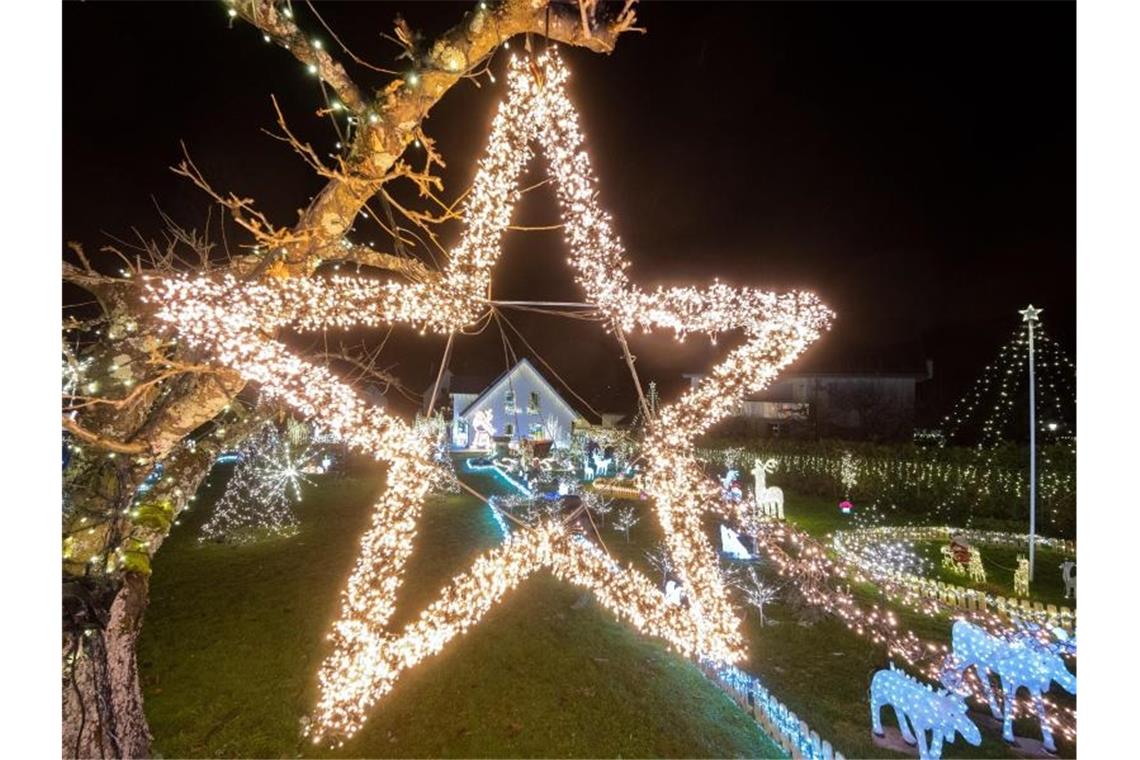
(660, 558)
(625, 520)
(757, 592)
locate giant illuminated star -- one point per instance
(235, 319)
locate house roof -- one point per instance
(465, 384)
(493, 386)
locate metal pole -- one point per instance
(1030, 318)
(439, 377)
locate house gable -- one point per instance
(514, 415)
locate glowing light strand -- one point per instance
(233, 319)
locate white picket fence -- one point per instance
(791, 733)
(961, 597)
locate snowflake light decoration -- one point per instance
(265, 484)
(234, 319)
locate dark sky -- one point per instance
(913, 163)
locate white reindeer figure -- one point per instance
(1069, 576)
(601, 463)
(1020, 664)
(941, 712)
(769, 500)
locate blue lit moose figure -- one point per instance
(940, 712)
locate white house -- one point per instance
(520, 403)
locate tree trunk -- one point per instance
(102, 700)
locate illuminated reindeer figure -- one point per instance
(919, 707)
(769, 500)
(1021, 663)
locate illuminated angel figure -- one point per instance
(236, 319)
(484, 425)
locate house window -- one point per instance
(509, 429)
(532, 405)
(509, 402)
(537, 431)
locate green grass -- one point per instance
(234, 636)
(820, 517)
(823, 671)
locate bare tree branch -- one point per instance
(102, 442)
(387, 125)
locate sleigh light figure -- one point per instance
(920, 708)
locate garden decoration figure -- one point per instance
(730, 487)
(731, 544)
(1069, 576)
(484, 424)
(601, 463)
(845, 507)
(769, 500)
(976, 569)
(1022, 663)
(1021, 577)
(941, 712)
(948, 562)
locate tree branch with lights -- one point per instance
(134, 399)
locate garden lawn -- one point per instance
(234, 637)
(820, 517)
(823, 671)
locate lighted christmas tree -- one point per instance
(995, 409)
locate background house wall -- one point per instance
(522, 403)
(877, 407)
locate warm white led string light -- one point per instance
(234, 320)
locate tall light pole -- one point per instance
(1029, 316)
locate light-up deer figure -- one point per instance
(1020, 663)
(769, 500)
(601, 463)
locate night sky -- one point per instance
(913, 163)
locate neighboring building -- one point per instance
(520, 403)
(858, 405)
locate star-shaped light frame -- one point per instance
(234, 320)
